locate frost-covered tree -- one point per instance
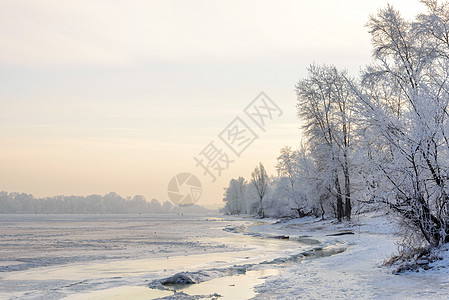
(110, 203)
(313, 184)
(286, 165)
(403, 108)
(324, 105)
(234, 197)
(288, 184)
(259, 180)
(155, 206)
(278, 201)
(252, 201)
(167, 206)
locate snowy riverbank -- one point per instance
(357, 272)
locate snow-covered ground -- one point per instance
(356, 273)
(137, 256)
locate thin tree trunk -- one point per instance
(322, 210)
(339, 199)
(348, 206)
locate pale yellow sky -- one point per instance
(101, 96)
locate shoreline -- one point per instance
(268, 258)
(356, 273)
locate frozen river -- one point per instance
(106, 256)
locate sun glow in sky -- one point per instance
(100, 96)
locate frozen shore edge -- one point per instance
(357, 272)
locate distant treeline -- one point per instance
(111, 203)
